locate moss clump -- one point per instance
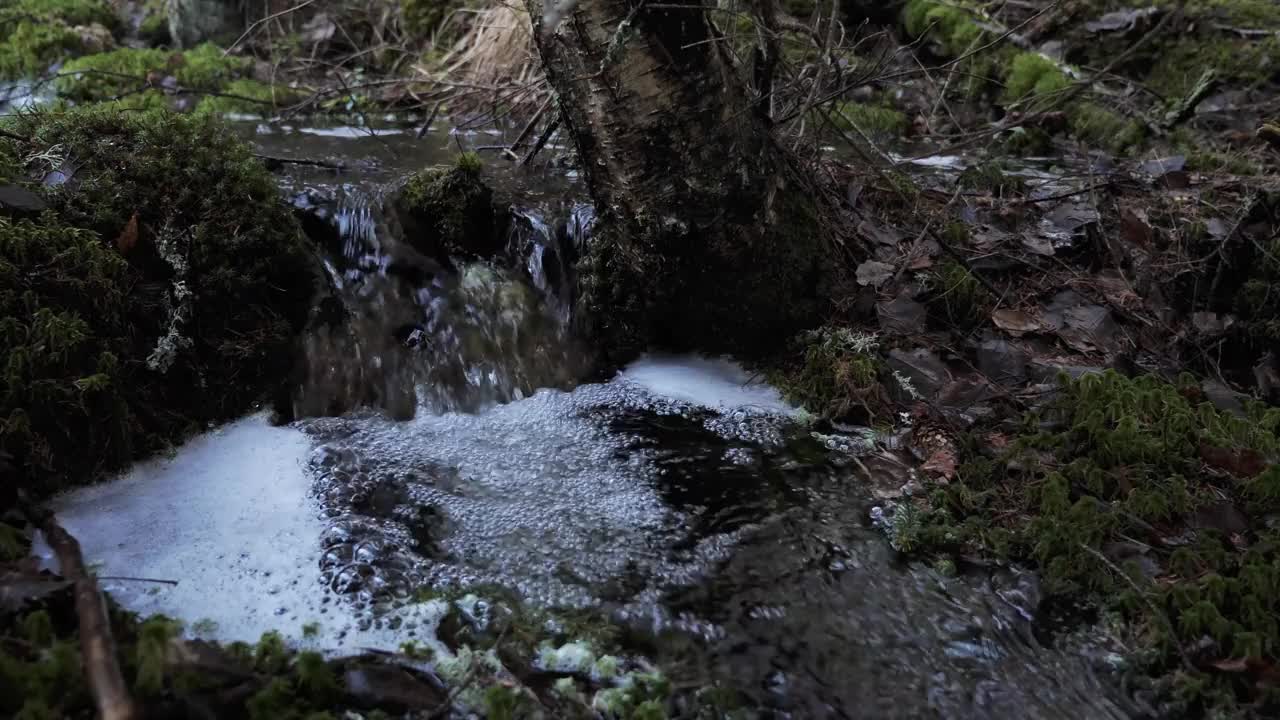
(171, 281)
(247, 97)
(952, 26)
(137, 76)
(870, 119)
(1033, 75)
(834, 370)
(448, 212)
(1131, 463)
(958, 297)
(1098, 126)
(991, 177)
(1179, 65)
(34, 34)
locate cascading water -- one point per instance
(445, 440)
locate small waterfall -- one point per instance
(414, 336)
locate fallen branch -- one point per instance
(273, 161)
(542, 140)
(106, 683)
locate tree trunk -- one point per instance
(708, 232)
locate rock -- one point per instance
(874, 273)
(16, 200)
(1002, 362)
(447, 213)
(922, 368)
(1015, 322)
(390, 689)
(192, 22)
(95, 38)
(902, 315)
(1223, 397)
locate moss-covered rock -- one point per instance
(34, 34)
(159, 294)
(447, 213)
(147, 78)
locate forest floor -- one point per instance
(1061, 227)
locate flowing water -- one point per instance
(464, 446)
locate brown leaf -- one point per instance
(942, 462)
(1015, 322)
(1243, 463)
(1231, 665)
(128, 237)
(1135, 228)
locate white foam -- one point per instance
(713, 383)
(229, 518)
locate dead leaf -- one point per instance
(1242, 463)
(874, 273)
(1015, 322)
(1231, 665)
(1135, 228)
(128, 237)
(942, 463)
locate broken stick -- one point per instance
(97, 647)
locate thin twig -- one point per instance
(254, 25)
(1173, 631)
(125, 578)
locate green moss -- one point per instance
(1100, 127)
(151, 652)
(837, 372)
(172, 279)
(35, 34)
(29, 49)
(70, 12)
(448, 212)
(1178, 65)
(502, 702)
(957, 296)
(991, 177)
(952, 26)
(870, 119)
(246, 96)
(1033, 75)
(1124, 457)
(125, 72)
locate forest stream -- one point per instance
(680, 496)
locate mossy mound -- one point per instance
(35, 34)
(153, 78)
(447, 213)
(834, 373)
(1141, 497)
(159, 294)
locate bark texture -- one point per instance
(707, 236)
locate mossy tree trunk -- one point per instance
(708, 231)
